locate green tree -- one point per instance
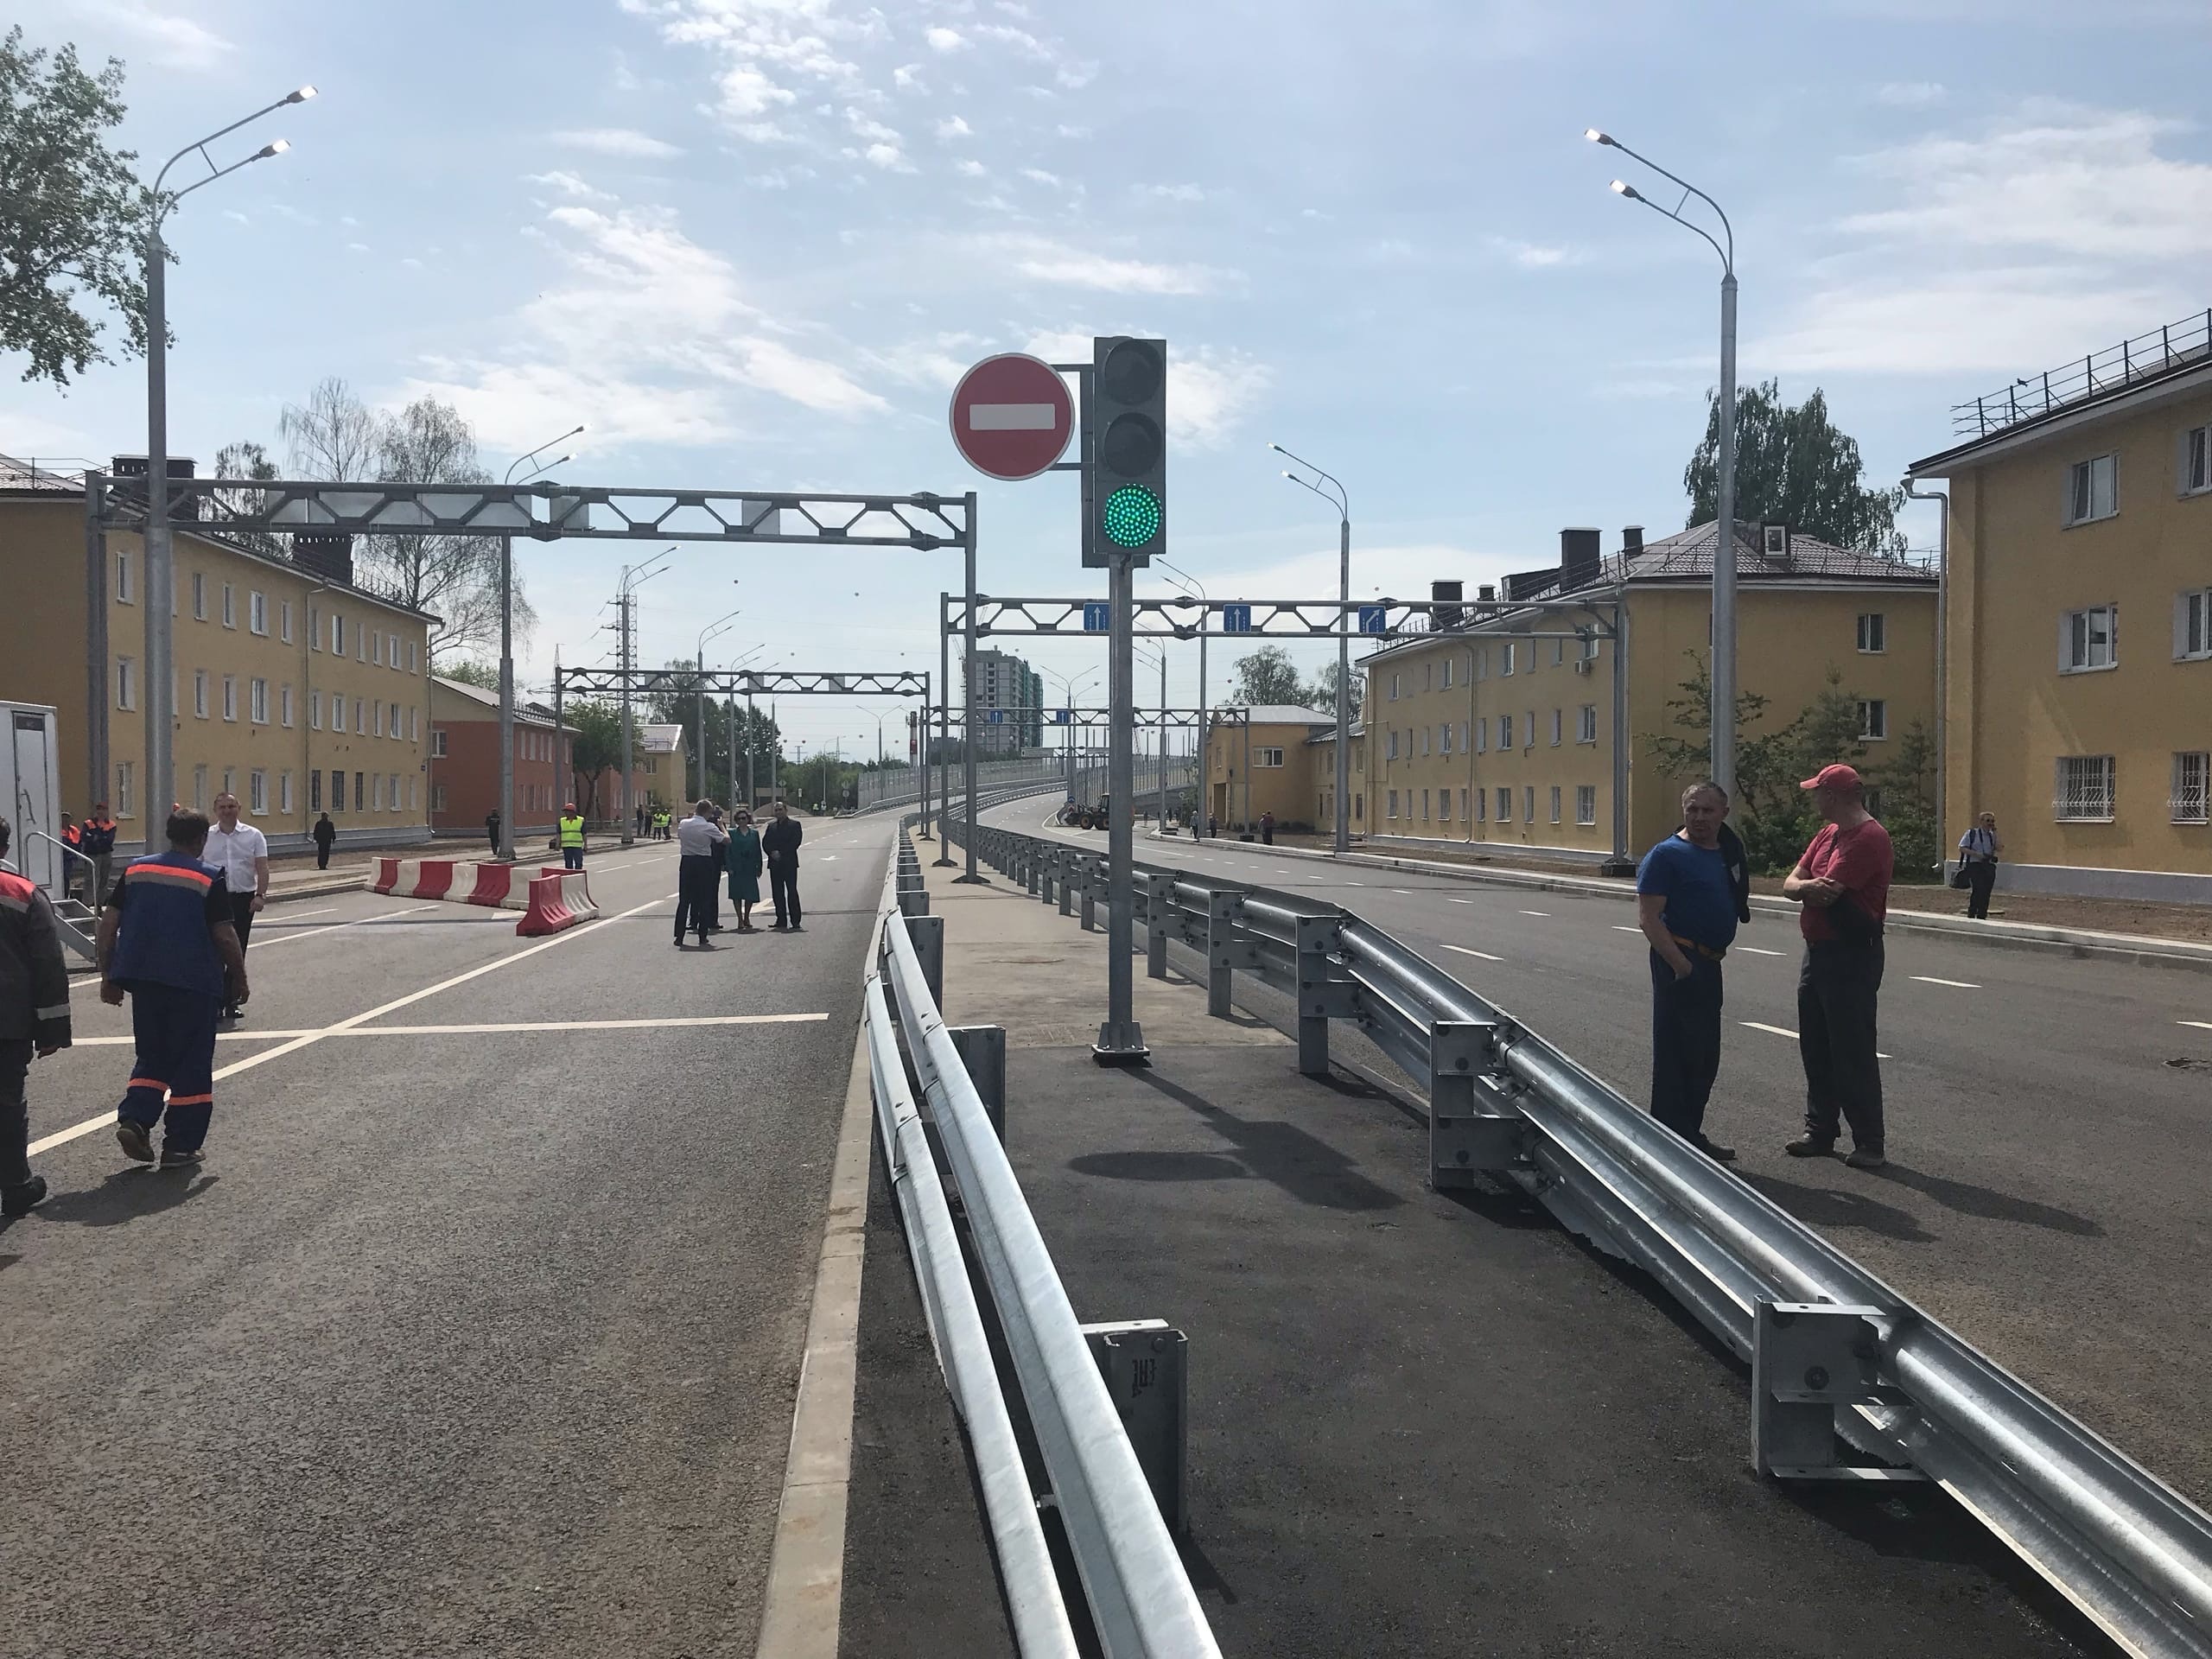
(1323, 695)
(73, 230)
(1268, 676)
(1793, 467)
(596, 730)
(483, 674)
(1907, 782)
(677, 705)
(246, 460)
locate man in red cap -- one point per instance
(1843, 882)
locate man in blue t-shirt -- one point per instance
(1691, 890)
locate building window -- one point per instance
(1391, 752)
(123, 591)
(414, 657)
(126, 789)
(2193, 624)
(314, 790)
(438, 742)
(1586, 723)
(257, 792)
(376, 646)
(1559, 652)
(337, 634)
(1424, 740)
(200, 789)
(1443, 738)
(230, 782)
(1505, 731)
(361, 713)
(1504, 805)
(1463, 805)
(1482, 737)
(2088, 640)
(1873, 632)
(199, 692)
(257, 701)
(284, 792)
(337, 710)
(395, 792)
(2085, 789)
(1586, 803)
(198, 596)
(2192, 798)
(1482, 806)
(1393, 697)
(1510, 653)
(1447, 673)
(1444, 804)
(1266, 758)
(1393, 805)
(1554, 803)
(230, 696)
(1428, 677)
(376, 792)
(1874, 720)
(230, 607)
(284, 705)
(1589, 647)
(360, 644)
(2196, 460)
(1559, 721)
(1424, 806)
(126, 682)
(2090, 492)
(1528, 804)
(395, 727)
(437, 797)
(414, 726)
(284, 621)
(257, 613)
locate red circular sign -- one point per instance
(1012, 417)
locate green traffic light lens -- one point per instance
(1132, 516)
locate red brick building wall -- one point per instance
(465, 773)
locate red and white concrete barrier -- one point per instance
(417, 878)
(558, 899)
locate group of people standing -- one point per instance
(707, 850)
(1692, 891)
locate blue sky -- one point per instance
(751, 243)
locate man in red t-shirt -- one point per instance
(1843, 882)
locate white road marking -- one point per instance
(2202, 1025)
(1351, 883)
(1955, 984)
(294, 915)
(107, 1120)
(314, 933)
(587, 1025)
(221, 1037)
(1547, 912)
(1619, 928)
(1784, 1031)
(1470, 902)
(1405, 893)
(1465, 951)
(1757, 951)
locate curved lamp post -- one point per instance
(1340, 836)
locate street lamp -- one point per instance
(160, 581)
(505, 849)
(633, 577)
(1068, 688)
(1190, 583)
(1723, 544)
(1340, 834)
(719, 625)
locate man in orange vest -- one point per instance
(73, 881)
(100, 847)
(34, 1019)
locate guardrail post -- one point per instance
(1464, 1136)
(1032, 869)
(1145, 1363)
(928, 935)
(1089, 904)
(1158, 911)
(1808, 1360)
(1322, 994)
(1066, 865)
(982, 1050)
(1227, 949)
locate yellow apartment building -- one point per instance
(296, 691)
(1276, 776)
(1484, 732)
(2079, 616)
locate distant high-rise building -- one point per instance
(1005, 687)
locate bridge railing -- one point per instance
(1850, 1381)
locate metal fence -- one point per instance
(1839, 1359)
(1141, 1600)
(2174, 345)
(901, 786)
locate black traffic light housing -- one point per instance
(1128, 506)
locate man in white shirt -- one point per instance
(699, 843)
(241, 852)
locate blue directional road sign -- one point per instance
(1060, 717)
(995, 716)
(1237, 619)
(1373, 618)
(1097, 618)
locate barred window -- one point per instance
(2085, 789)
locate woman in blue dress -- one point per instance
(742, 856)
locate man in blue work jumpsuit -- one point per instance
(167, 938)
(1691, 890)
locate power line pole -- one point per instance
(625, 652)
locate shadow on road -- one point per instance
(1823, 1207)
(1303, 1165)
(124, 1196)
(1989, 1203)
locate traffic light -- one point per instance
(1130, 463)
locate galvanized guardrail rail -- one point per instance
(1140, 1598)
(1836, 1354)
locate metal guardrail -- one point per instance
(2177, 345)
(1836, 1352)
(1142, 1602)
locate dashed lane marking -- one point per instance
(1465, 951)
(1535, 913)
(299, 915)
(332, 927)
(107, 1120)
(1757, 951)
(1619, 928)
(588, 1024)
(1784, 1031)
(2202, 1025)
(1955, 984)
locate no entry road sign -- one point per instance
(1012, 416)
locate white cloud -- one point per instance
(567, 184)
(889, 157)
(954, 127)
(617, 141)
(972, 169)
(1209, 391)
(1908, 94)
(907, 78)
(1532, 256)
(1038, 175)
(1174, 192)
(357, 247)
(1044, 260)
(172, 40)
(1987, 323)
(747, 94)
(944, 40)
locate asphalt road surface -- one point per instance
(2048, 1118)
(479, 1331)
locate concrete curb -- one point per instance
(806, 1563)
(2135, 949)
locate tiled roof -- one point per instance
(663, 739)
(1286, 713)
(536, 714)
(1687, 555)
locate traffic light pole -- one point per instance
(943, 859)
(1121, 1040)
(967, 725)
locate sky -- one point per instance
(752, 245)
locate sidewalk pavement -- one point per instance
(2140, 950)
(1421, 1423)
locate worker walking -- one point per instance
(167, 942)
(241, 852)
(699, 842)
(98, 845)
(34, 1021)
(779, 843)
(491, 827)
(326, 837)
(572, 837)
(1691, 891)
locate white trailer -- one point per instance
(30, 786)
